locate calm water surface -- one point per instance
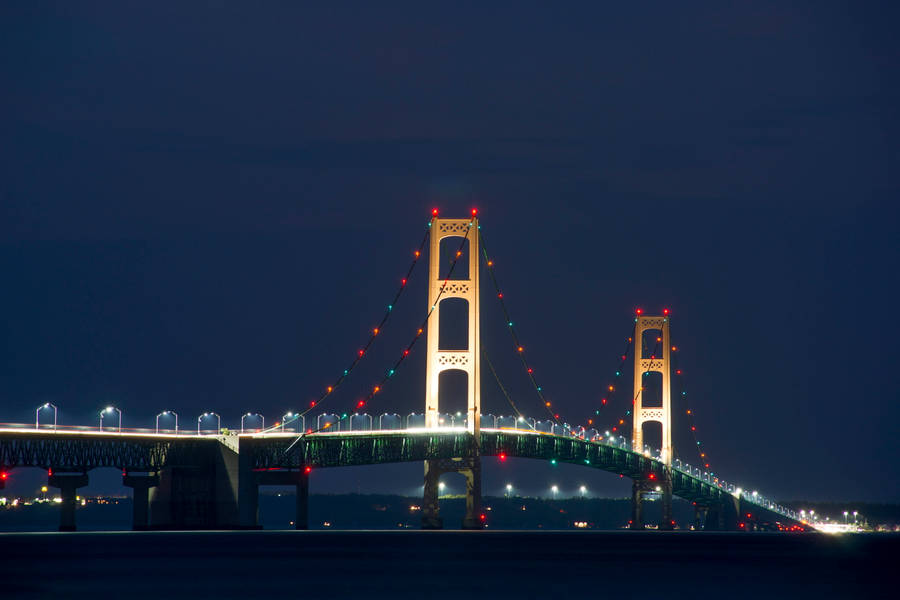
(446, 564)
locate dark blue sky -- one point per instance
(207, 207)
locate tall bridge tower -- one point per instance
(661, 414)
(468, 361)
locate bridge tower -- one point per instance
(468, 361)
(660, 414)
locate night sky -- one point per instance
(208, 207)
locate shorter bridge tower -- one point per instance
(468, 361)
(662, 414)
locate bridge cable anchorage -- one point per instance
(701, 453)
(519, 348)
(520, 416)
(375, 332)
(377, 388)
(611, 388)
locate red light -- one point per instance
(665, 311)
(614, 428)
(406, 353)
(474, 211)
(483, 517)
(502, 457)
(652, 476)
(360, 404)
(500, 295)
(307, 470)
(638, 311)
(530, 370)
(361, 352)
(603, 401)
(434, 212)
(403, 282)
(4, 475)
(678, 372)
(748, 516)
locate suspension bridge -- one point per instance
(198, 479)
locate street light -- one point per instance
(253, 415)
(441, 487)
(555, 490)
(845, 516)
(37, 415)
(509, 489)
(109, 409)
(210, 414)
(286, 416)
(164, 413)
(583, 490)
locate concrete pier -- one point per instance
(68, 484)
(141, 485)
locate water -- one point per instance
(444, 564)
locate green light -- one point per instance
(390, 307)
(390, 373)
(539, 388)
(510, 323)
(344, 416)
(346, 371)
(596, 412)
(618, 373)
(553, 461)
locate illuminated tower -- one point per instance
(468, 361)
(662, 414)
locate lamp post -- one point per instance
(509, 489)
(555, 490)
(209, 414)
(286, 416)
(441, 487)
(109, 409)
(583, 490)
(164, 413)
(37, 415)
(253, 415)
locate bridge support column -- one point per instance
(431, 508)
(473, 520)
(141, 485)
(68, 485)
(301, 519)
(248, 494)
(663, 488)
(470, 468)
(637, 501)
(667, 522)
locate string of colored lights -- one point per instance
(390, 372)
(517, 344)
(375, 331)
(679, 378)
(520, 418)
(609, 394)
